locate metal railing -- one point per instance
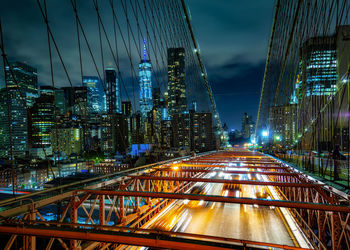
(58, 191)
(336, 171)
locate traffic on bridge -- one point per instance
(214, 200)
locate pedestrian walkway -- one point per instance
(321, 169)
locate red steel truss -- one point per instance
(132, 200)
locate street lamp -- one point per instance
(265, 133)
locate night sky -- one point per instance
(233, 37)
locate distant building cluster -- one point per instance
(57, 123)
(244, 136)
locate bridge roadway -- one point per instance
(255, 223)
(239, 221)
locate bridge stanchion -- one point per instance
(73, 219)
(137, 199)
(101, 209)
(29, 242)
(336, 230)
(321, 217)
(148, 189)
(122, 211)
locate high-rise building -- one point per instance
(127, 112)
(95, 94)
(76, 99)
(323, 60)
(177, 102)
(156, 97)
(145, 81)
(22, 82)
(126, 108)
(201, 131)
(25, 76)
(18, 124)
(113, 97)
(283, 124)
(153, 128)
(60, 101)
(181, 130)
(166, 134)
(137, 136)
(69, 141)
(120, 134)
(247, 126)
(319, 66)
(42, 122)
(46, 91)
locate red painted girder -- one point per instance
(243, 182)
(224, 166)
(216, 198)
(240, 161)
(230, 172)
(107, 234)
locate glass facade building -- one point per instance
(27, 79)
(177, 102)
(145, 81)
(21, 80)
(318, 67)
(95, 94)
(113, 97)
(43, 121)
(18, 124)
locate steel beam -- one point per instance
(231, 172)
(224, 166)
(215, 161)
(146, 237)
(242, 182)
(216, 198)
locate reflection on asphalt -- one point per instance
(256, 223)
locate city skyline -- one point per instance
(231, 62)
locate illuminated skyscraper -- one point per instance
(95, 94)
(319, 66)
(27, 79)
(113, 98)
(22, 81)
(42, 122)
(145, 81)
(177, 102)
(19, 124)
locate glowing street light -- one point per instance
(265, 133)
(278, 138)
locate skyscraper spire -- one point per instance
(144, 50)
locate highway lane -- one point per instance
(238, 221)
(255, 223)
(247, 222)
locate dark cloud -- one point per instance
(233, 36)
(236, 86)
